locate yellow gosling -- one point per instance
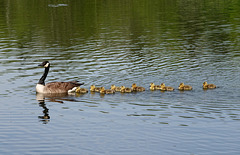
(115, 88)
(106, 91)
(166, 88)
(81, 90)
(122, 89)
(94, 89)
(184, 87)
(154, 87)
(125, 89)
(137, 88)
(208, 86)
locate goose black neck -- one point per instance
(44, 76)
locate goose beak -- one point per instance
(41, 64)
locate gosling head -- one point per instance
(181, 84)
(204, 83)
(152, 84)
(92, 87)
(122, 87)
(162, 85)
(113, 87)
(77, 89)
(134, 85)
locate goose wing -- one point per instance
(60, 87)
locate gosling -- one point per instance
(154, 87)
(94, 89)
(137, 88)
(166, 88)
(184, 87)
(208, 86)
(106, 91)
(115, 88)
(81, 90)
(125, 89)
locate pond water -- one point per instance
(120, 42)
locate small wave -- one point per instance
(56, 5)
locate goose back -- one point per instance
(60, 87)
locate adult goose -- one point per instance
(54, 87)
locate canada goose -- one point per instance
(94, 89)
(106, 91)
(154, 87)
(137, 88)
(208, 86)
(166, 88)
(54, 87)
(115, 88)
(184, 87)
(125, 89)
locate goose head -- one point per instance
(45, 64)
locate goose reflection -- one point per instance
(59, 98)
(45, 118)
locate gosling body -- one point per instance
(81, 90)
(166, 88)
(106, 91)
(94, 89)
(208, 86)
(137, 88)
(125, 89)
(182, 86)
(115, 88)
(154, 87)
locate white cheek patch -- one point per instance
(46, 65)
